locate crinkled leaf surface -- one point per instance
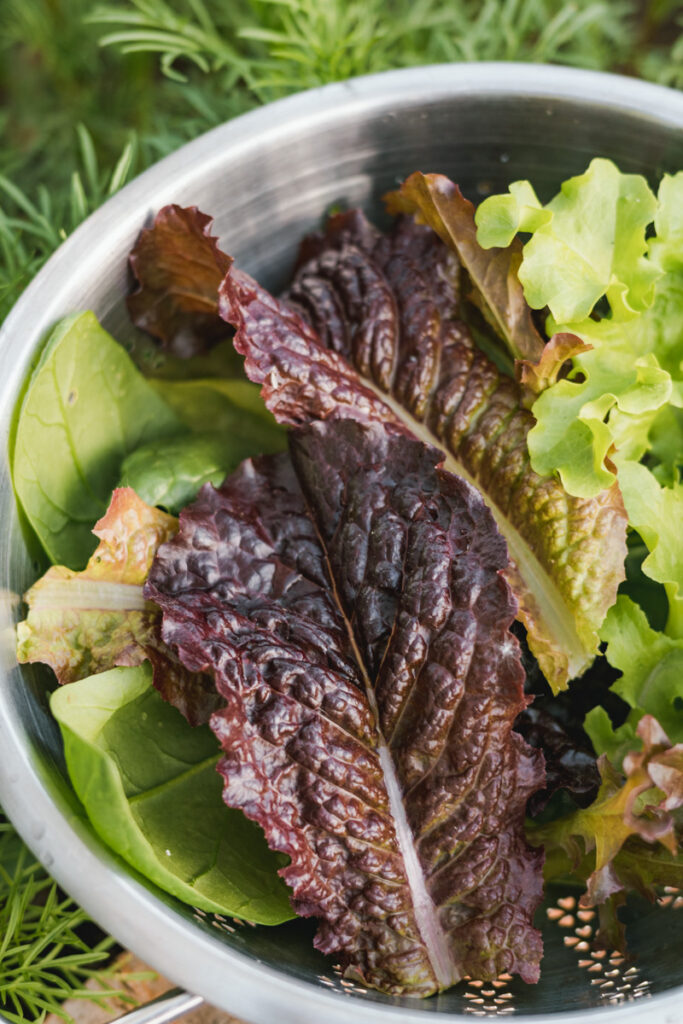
(640, 805)
(149, 784)
(81, 623)
(389, 306)
(589, 241)
(178, 267)
(438, 202)
(350, 606)
(86, 407)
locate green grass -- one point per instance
(90, 95)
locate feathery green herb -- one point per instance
(45, 955)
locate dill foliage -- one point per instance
(90, 95)
(145, 76)
(44, 956)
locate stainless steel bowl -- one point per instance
(267, 177)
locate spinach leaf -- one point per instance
(169, 473)
(230, 407)
(149, 784)
(86, 407)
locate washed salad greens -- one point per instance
(474, 506)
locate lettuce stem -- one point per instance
(674, 622)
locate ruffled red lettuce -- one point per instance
(371, 328)
(178, 267)
(82, 623)
(350, 606)
(493, 273)
(621, 831)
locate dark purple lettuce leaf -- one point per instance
(435, 200)
(350, 605)
(390, 306)
(178, 267)
(301, 380)
(570, 763)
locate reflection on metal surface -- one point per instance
(610, 977)
(617, 978)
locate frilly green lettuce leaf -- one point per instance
(615, 743)
(149, 784)
(593, 246)
(657, 514)
(588, 242)
(652, 669)
(82, 623)
(576, 421)
(666, 248)
(666, 444)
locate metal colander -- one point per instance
(267, 178)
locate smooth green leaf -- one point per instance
(169, 473)
(149, 784)
(230, 408)
(86, 407)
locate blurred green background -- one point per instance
(92, 94)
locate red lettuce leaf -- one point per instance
(178, 267)
(570, 764)
(637, 806)
(435, 200)
(389, 306)
(82, 623)
(350, 605)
